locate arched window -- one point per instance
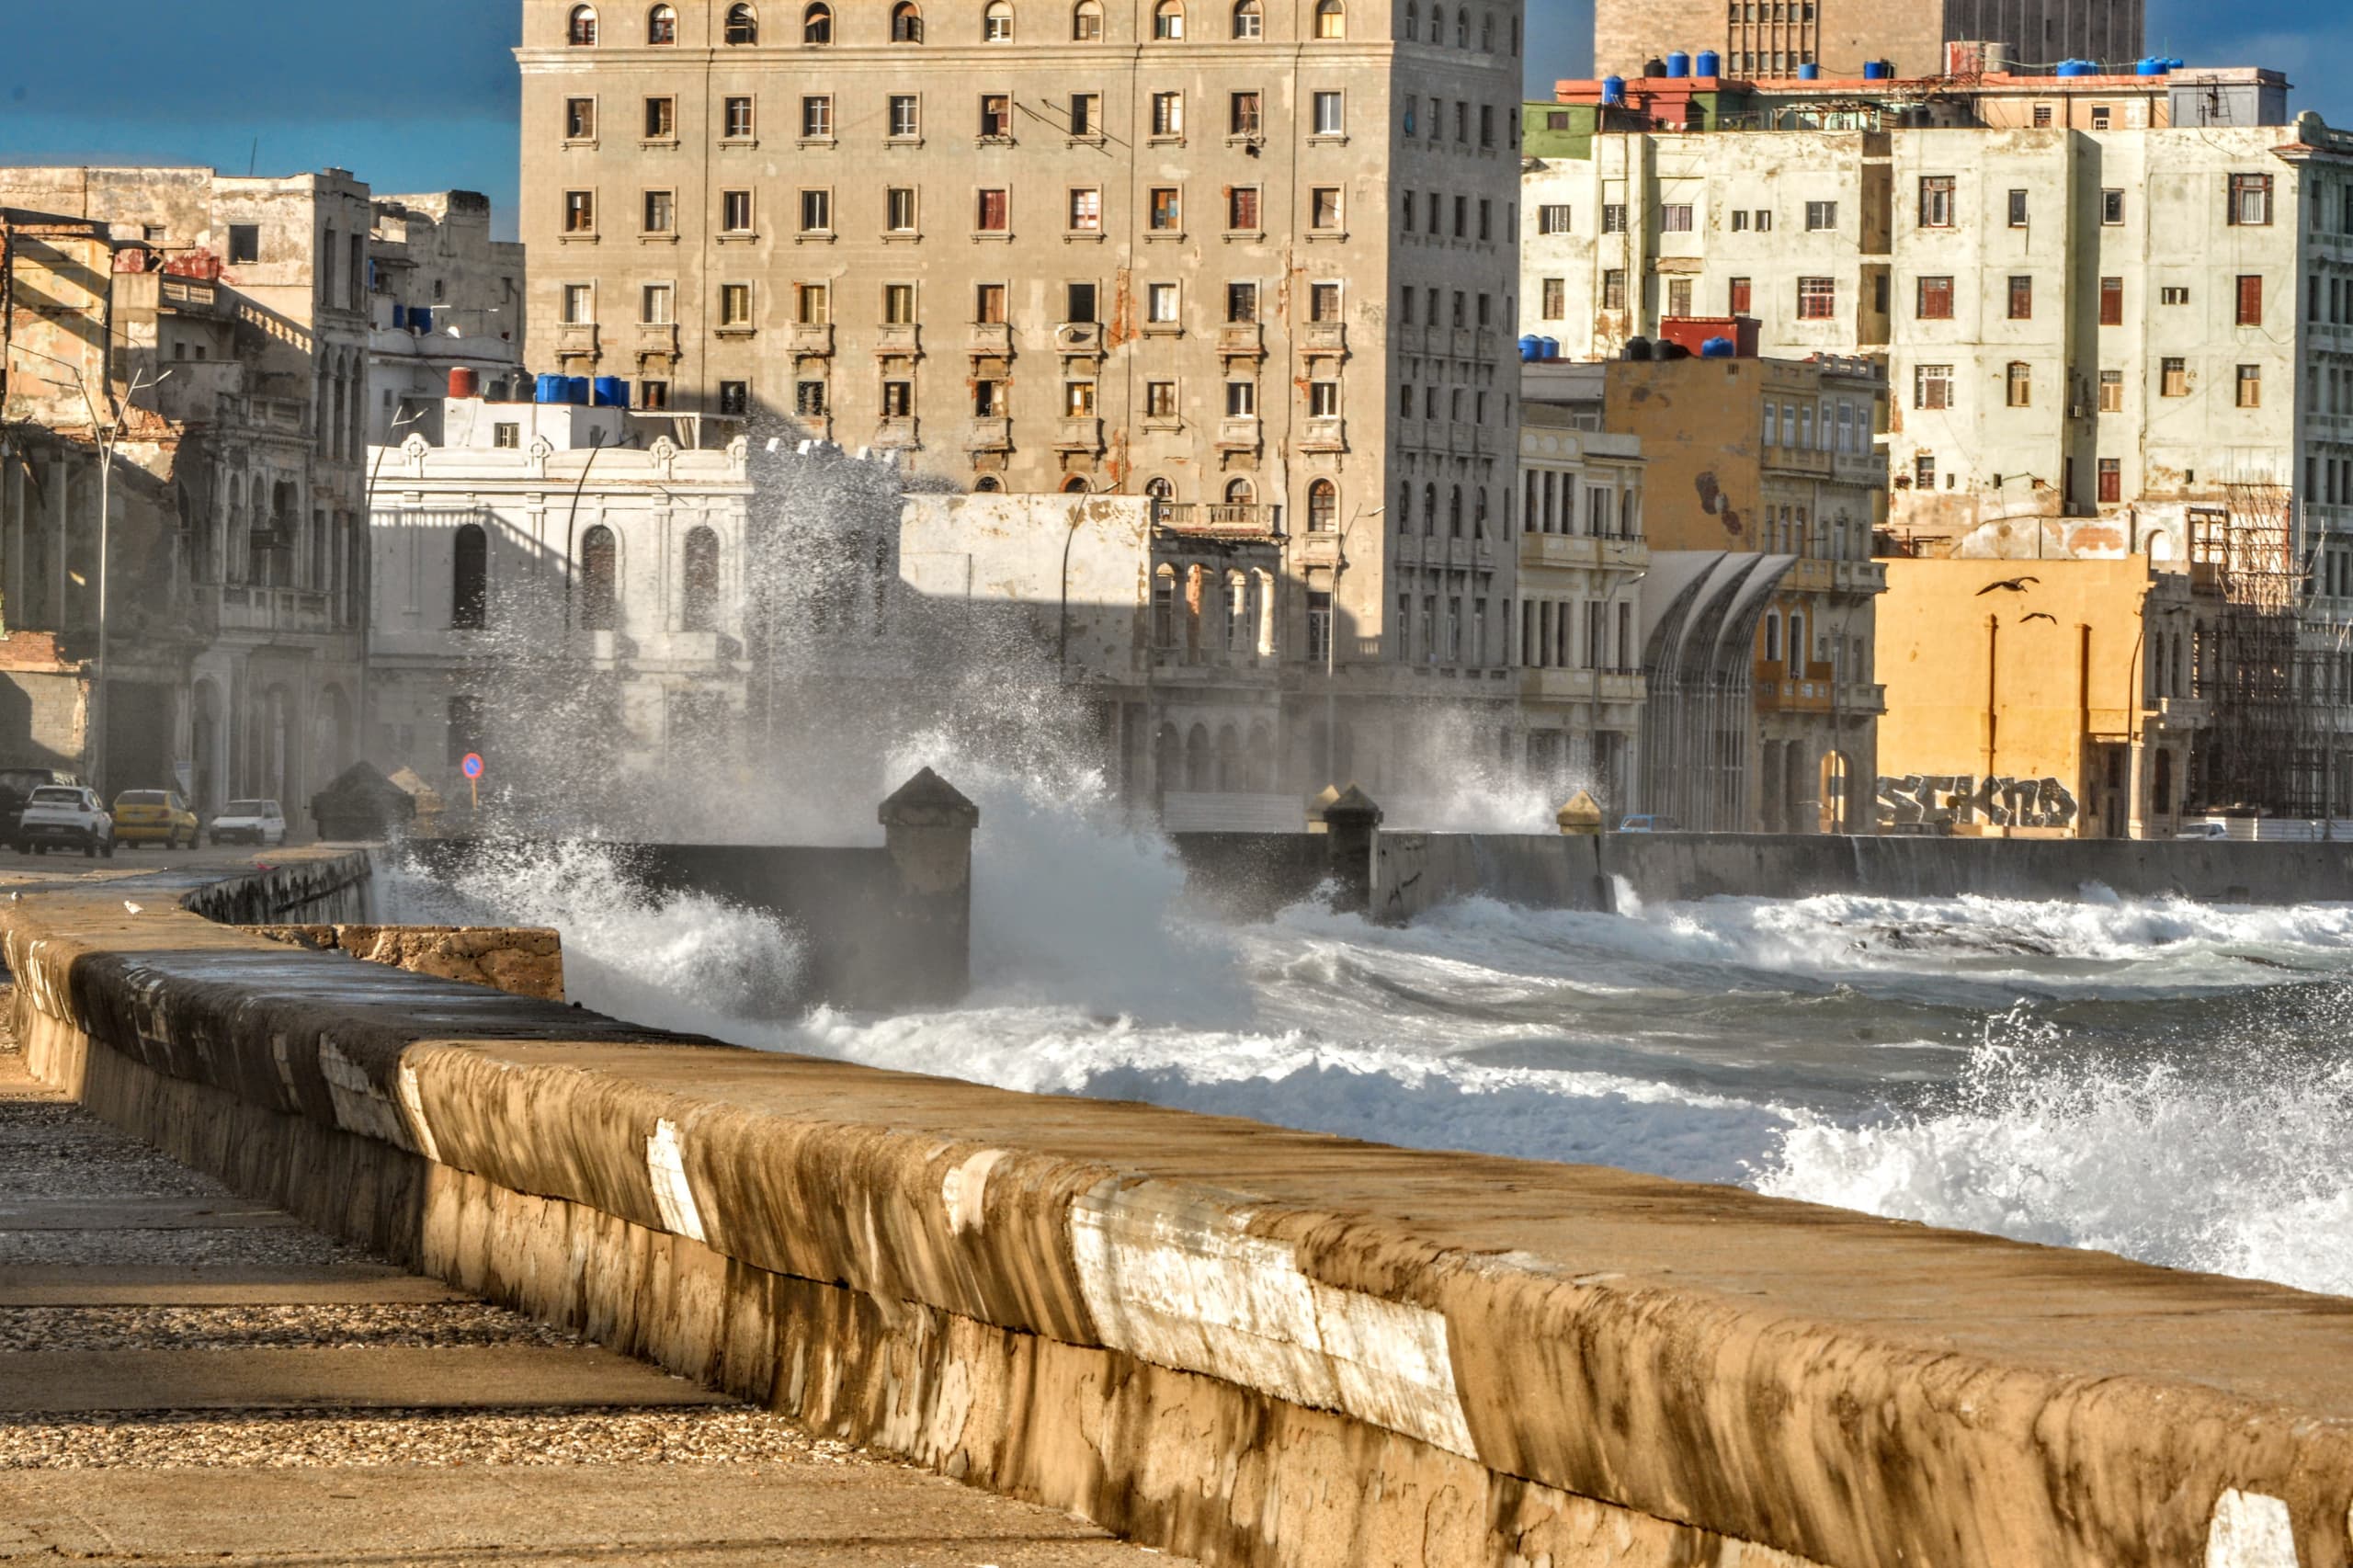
(1323, 506)
(1487, 32)
(1248, 22)
(599, 580)
(1159, 489)
(1429, 509)
(1773, 637)
(1331, 21)
(583, 26)
(817, 24)
(1168, 20)
(662, 25)
(1238, 629)
(1199, 762)
(1086, 21)
(1240, 491)
(743, 24)
(699, 583)
(1258, 761)
(1229, 759)
(1163, 608)
(987, 485)
(1463, 28)
(996, 22)
(1797, 645)
(1454, 513)
(1074, 485)
(1479, 516)
(1438, 31)
(470, 580)
(906, 22)
(1413, 20)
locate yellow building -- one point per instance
(2047, 699)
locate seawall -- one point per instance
(1250, 1346)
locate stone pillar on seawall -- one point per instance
(927, 828)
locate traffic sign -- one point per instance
(471, 766)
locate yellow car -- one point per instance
(154, 816)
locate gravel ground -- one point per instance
(416, 1324)
(313, 1439)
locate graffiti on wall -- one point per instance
(1935, 799)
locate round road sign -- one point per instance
(472, 764)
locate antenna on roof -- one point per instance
(253, 159)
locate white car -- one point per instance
(249, 822)
(2205, 830)
(66, 816)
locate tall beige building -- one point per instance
(1772, 36)
(1182, 248)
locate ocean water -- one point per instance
(2167, 1081)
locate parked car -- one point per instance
(16, 786)
(154, 816)
(68, 816)
(2205, 830)
(249, 822)
(1648, 824)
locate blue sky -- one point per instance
(429, 102)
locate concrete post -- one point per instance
(1351, 828)
(927, 834)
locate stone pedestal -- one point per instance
(1351, 825)
(927, 828)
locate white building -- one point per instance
(442, 295)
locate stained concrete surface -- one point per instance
(187, 1377)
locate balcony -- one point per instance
(1624, 686)
(1238, 432)
(1324, 338)
(1862, 577)
(1245, 337)
(1079, 434)
(989, 435)
(1861, 697)
(1571, 551)
(1079, 338)
(1812, 461)
(1541, 685)
(245, 607)
(896, 430)
(1464, 345)
(1779, 691)
(991, 339)
(1218, 519)
(657, 337)
(2183, 712)
(1326, 433)
(813, 337)
(898, 339)
(576, 338)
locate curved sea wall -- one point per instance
(1230, 1341)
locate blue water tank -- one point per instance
(611, 391)
(575, 389)
(2078, 68)
(420, 318)
(1613, 90)
(1552, 349)
(1709, 63)
(1679, 64)
(551, 389)
(1719, 348)
(1531, 347)
(1810, 71)
(1878, 71)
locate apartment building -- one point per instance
(442, 295)
(1779, 35)
(1181, 249)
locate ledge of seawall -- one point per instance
(525, 960)
(1229, 1340)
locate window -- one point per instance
(1935, 301)
(1243, 120)
(2250, 309)
(1078, 400)
(736, 121)
(2021, 384)
(469, 584)
(1324, 302)
(1324, 400)
(1817, 299)
(2172, 378)
(1160, 303)
(996, 116)
(988, 303)
(661, 120)
(2022, 299)
(906, 22)
(1764, 218)
(583, 31)
(1613, 289)
(898, 304)
(1241, 399)
(599, 579)
(2042, 113)
(816, 212)
(743, 26)
(1932, 386)
(1168, 114)
(2018, 210)
(579, 119)
(2111, 208)
(1740, 221)
(1078, 302)
(1242, 208)
(1924, 470)
(2250, 199)
(1168, 20)
(1328, 120)
(579, 303)
(736, 212)
(2250, 386)
(1159, 399)
(1318, 625)
(1936, 202)
(1086, 209)
(2112, 480)
(657, 302)
(660, 216)
(817, 25)
(992, 213)
(1553, 219)
(1679, 297)
(817, 118)
(1555, 298)
(1241, 303)
(1247, 21)
(2112, 392)
(1821, 215)
(809, 399)
(1739, 297)
(1613, 218)
(2173, 296)
(2111, 301)
(1324, 208)
(735, 304)
(906, 117)
(898, 399)
(997, 23)
(813, 303)
(1486, 125)
(1086, 21)
(699, 577)
(579, 218)
(505, 437)
(899, 209)
(1675, 217)
(2103, 118)
(1331, 21)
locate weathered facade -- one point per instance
(442, 295)
(1779, 36)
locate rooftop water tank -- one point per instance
(1810, 71)
(1679, 64)
(464, 382)
(1638, 349)
(576, 390)
(1531, 347)
(1719, 348)
(1551, 349)
(611, 391)
(1878, 71)
(1653, 67)
(1708, 64)
(2078, 68)
(551, 389)
(1613, 90)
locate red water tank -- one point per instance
(464, 383)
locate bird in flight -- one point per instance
(2038, 615)
(2007, 585)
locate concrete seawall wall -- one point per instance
(1250, 1346)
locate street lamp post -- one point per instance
(1331, 644)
